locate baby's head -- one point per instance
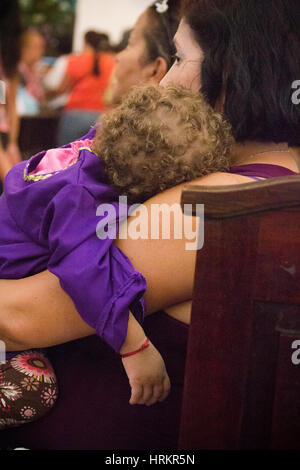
(160, 137)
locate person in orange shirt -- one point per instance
(87, 76)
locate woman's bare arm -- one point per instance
(181, 312)
(166, 263)
(36, 312)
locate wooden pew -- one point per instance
(242, 379)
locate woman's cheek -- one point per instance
(190, 76)
(171, 76)
(186, 74)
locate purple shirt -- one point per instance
(51, 224)
(261, 170)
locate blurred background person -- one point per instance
(149, 52)
(87, 76)
(56, 96)
(10, 31)
(32, 70)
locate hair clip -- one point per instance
(162, 6)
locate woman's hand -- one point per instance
(147, 376)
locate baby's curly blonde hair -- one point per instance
(160, 137)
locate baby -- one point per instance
(158, 138)
(161, 137)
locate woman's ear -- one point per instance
(157, 70)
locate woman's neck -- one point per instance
(249, 151)
(87, 49)
(266, 152)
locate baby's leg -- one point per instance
(28, 388)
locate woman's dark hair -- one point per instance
(10, 32)
(123, 43)
(162, 28)
(251, 55)
(99, 42)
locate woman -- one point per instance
(149, 53)
(257, 102)
(87, 77)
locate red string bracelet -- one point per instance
(145, 345)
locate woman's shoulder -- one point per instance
(173, 195)
(107, 63)
(108, 58)
(219, 179)
(77, 64)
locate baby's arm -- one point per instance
(146, 369)
(104, 286)
(97, 276)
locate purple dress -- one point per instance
(51, 224)
(261, 170)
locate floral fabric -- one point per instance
(28, 389)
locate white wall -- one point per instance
(110, 16)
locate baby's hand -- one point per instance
(147, 376)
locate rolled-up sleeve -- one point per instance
(98, 277)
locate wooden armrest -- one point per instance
(230, 201)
